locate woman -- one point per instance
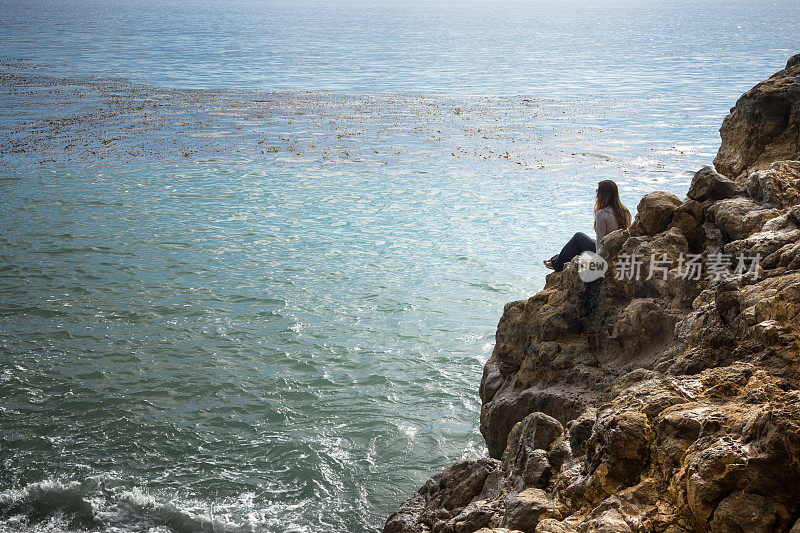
(609, 215)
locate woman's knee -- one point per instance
(582, 239)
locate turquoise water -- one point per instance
(226, 308)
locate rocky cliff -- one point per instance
(670, 401)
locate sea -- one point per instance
(253, 252)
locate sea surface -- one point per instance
(253, 254)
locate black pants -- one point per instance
(579, 243)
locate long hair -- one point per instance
(608, 196)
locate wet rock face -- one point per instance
(659, 405)
(763, 126)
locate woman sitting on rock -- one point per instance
(609, 215)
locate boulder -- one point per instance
(709, 185)
(536, 431)
(612, 243)
(654, 213)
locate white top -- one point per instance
(605, 223)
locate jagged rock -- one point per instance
(738, 218)
(641, 320)
(461, 482)
(678, 428)
(629, 510)
(763, 126)
(476, 515)
(550, 324)
(688, 220)
(509, 405)
(616, 453)
(774, 243)
(709, 185)
(711, 474)
(680, 397)
(408, 518)
(551, 525)
(749, 512)
(779, 186)
(654, 213)
(673, 296)
(524, 510)
(443, 497)
(609, 521)
(765, 312)
(526, 459)
(580, 430)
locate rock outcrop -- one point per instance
(763, 126)
(670, 400)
